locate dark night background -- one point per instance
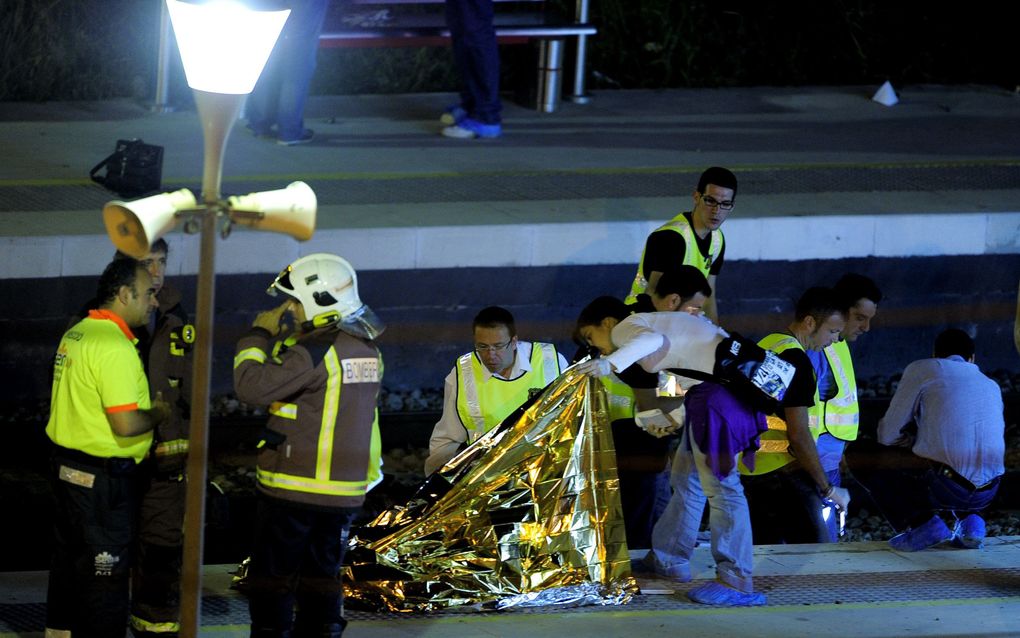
(97, 49)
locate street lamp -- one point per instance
(224, 47)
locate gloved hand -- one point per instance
(840, 497)
(595, 368)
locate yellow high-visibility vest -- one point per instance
(840, 415)
(482, 403)
(692, 256)
(774, 452)
(621, 398)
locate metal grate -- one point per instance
(804, 590)
(560, 185)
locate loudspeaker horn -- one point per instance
(134, 226)
(289, 210)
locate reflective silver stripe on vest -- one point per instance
(550, 363)
(842, 419)
(471, 396)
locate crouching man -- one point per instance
(950, 415)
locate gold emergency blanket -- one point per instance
(531, 517)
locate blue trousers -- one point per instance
(282, 90)
(476, 55)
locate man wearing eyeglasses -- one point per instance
(693, 238)
(489, 383)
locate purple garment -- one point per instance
(723, 426)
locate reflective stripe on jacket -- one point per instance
(322, 444)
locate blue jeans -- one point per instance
(946, 494)
(675, 534)
(282, 90)
(476, 54)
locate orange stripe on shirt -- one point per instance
(121, 408)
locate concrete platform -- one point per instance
(863, 590)
(582, 186)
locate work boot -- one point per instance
(970, 532)
(930, 533)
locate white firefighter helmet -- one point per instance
(327, 288)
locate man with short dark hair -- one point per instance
(947, 412)
(837, 412)
(692, 238)
(787, 484)
(101, 423)
(487, 384)
(685, 289)
(165, 346)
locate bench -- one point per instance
(393, 23)
(389, 23)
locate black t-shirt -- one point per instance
(665, 250)
(801, 392)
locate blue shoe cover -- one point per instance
(970, 533)
(932, 532)
(715, 593)
(469, 128)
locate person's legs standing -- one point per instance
(675, 534)
(297, 51)
(730, 522)
(806, 523)
(156, 578)
(281, 540)
(458, 46)
(319, 590)
(88, 587)
(476, 55)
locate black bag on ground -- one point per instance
(134, 168)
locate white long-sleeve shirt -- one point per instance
(661, 340)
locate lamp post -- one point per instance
(224, 47)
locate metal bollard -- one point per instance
(161, 100)
(550, 72)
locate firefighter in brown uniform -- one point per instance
(164, 345)
(320, 452)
